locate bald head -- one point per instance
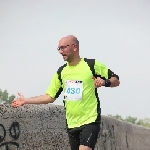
(69, 39)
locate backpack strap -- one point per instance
(59, 72)
(91, 63)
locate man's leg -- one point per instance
(74, 139)
(88, 136)
(82, 147)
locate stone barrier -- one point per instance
(42, 127)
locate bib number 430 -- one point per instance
(73, 90)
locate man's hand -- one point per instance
(19, 101)
(98, 82)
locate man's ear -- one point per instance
(75, 47)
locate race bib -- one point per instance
(73, 90)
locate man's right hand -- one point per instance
(19, 101)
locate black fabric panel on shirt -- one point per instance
(60, 79)
(91, 63)
(111, 74)
(59, 92)
(59, 72)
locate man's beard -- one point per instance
(67, 58)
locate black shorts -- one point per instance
(85, 135)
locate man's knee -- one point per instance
(82, 147)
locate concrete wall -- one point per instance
(42, 127)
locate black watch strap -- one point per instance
(107, 83)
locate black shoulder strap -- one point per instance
(91, 63)
(59, 72)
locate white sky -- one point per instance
(117, 33)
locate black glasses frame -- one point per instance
(63, 47)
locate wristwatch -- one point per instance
(107, 83)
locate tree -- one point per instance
(131, 119)
(143, 122)
(5, 98)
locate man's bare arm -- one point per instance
(114, 82)
(43, 99)
(100, 82)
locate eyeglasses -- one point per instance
(63, 47)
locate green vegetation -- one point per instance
(5, 98)
(142, 122)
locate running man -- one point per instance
(79, 78)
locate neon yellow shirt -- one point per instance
(81, 100)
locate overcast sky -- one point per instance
(117, 33)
